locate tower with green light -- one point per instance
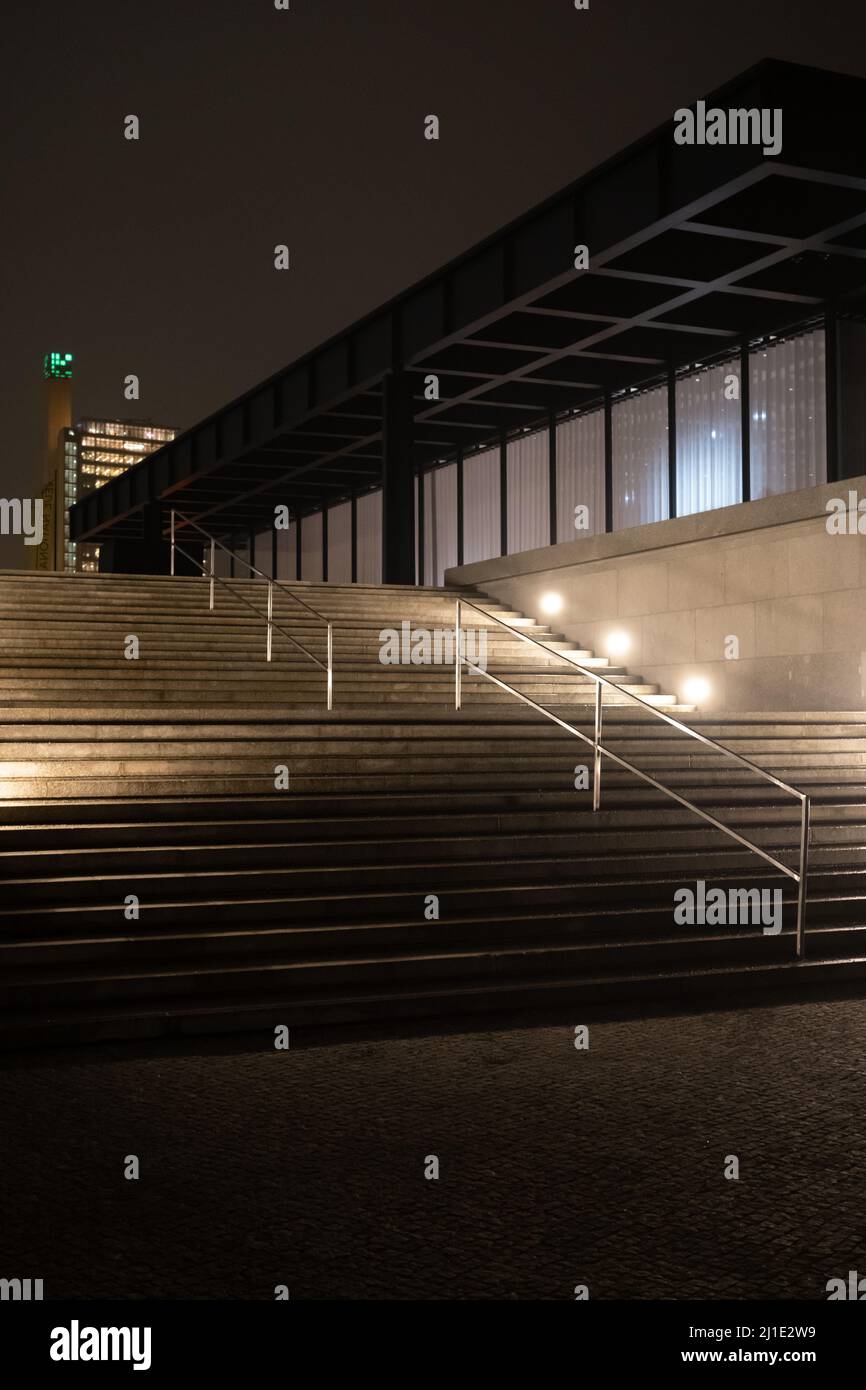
(57, 386)
(57, 366)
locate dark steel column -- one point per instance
(608, 462)
(746, 421)
(398, 480)
(419, 577)
(503, 494)
(672, 442)
(831, 388)
(298, 546)
(151, 552)
(354, 539)
(460, 507)
(324, 543)
(551, 466)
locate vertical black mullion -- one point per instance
(608, 462)
(672, 442)
(324, 544)
(831, 389)
(274, 574)
(503, 494)
(419, 578)
(298, 545)
(354, 539)
(551, 474)
(746, 421)
(460, 507)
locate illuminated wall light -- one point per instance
(696, 690)
(551, 603)
(618, 643)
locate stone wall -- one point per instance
(767, 573)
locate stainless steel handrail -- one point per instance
(800, 876)
(268, 617)
(235, 556)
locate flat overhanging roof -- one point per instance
(693, 249)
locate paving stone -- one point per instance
(558, 1167)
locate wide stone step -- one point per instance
(66, 742)
(42, 989)
(599, 853)
(696, 785)
(628, 827)
(341, 888)
(155, 778)
(254, 1011)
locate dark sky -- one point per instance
(261, 126)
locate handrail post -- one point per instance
(212, 573)
(270, 619)
(805, 831)
(172, 540)
(457, 660)
(596, 771)
(330, 666)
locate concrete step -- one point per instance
(613, 853)
(359, 891)
(155, 778)
(254, 1011)
(627, 827)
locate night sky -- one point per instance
(261, 126)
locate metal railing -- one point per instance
(209, 572)
(800, 875)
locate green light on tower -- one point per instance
(56, 366)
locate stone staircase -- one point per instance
(153, 780)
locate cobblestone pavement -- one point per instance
(557, 1167)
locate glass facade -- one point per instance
(640, 459)
(788, 421)
(709, 439)
(788, 450)
(580, 476)
(528, 491)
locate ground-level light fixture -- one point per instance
(618, 643)
(696, 690)
(551, 603)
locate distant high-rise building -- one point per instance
(79, 458)
(94, 451)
